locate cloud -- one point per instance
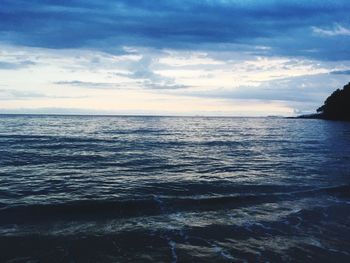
(54, 111)
(151, 78)
(308, 90)
(337, 30)
(283, 27)
(16, 94)
(5, 65)
(7, 94)
(142, 72)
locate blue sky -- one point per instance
(189, 57)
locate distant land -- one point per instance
(336, 106)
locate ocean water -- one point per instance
(173, 189)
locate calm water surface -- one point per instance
(173, 189)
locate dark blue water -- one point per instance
(172, 189)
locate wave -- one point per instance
(88, 209)
(153, 205)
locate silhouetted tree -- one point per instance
(337, 106)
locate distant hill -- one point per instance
(337, 105)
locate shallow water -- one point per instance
(173, 189)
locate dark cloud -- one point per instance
(164, 86)
(91, 85)
(341, 72)
(285, 26)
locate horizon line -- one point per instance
(141, 115)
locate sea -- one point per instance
(173, 189)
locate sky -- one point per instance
(190, 57)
